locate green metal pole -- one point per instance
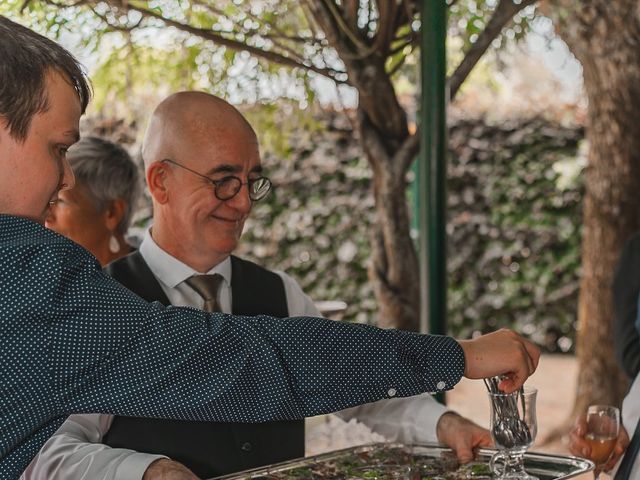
(432, 169)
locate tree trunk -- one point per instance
(604, 35)
(390, 150)
(393, 269)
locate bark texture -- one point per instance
(605, 37)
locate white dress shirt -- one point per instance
(75, 451)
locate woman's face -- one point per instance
(75, 216)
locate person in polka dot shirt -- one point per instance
(73, 340)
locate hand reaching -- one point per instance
(462, 435)
(503, 353)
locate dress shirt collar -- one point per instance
(172, 271)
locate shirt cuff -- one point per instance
(133, 466)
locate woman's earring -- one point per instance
(114, 245)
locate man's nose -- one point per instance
(241, 201)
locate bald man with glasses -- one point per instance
(197, 144)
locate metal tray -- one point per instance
(543, 466)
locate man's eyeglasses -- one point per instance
(228, 187)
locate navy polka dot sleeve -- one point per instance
(76, 341)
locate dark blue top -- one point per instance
(73, 340)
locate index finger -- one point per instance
(534, 353)
(515, 379)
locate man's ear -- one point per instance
(157, 182)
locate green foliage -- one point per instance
(135, 55)
(469, 18)
(276, 124)
(513, 229)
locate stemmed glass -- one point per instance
(603, 426)
(513, 428)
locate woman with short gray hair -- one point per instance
(96, 213)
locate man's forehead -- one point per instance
(226, 150)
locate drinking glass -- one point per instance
(603, 426)
(513, 428)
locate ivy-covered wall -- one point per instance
(514, 225)
(514, 229)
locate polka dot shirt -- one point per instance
(73, 340)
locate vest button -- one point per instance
(246, 447)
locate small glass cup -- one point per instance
(603, 427)
(513, 428)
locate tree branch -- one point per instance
(407, 153)
(503, 14)
(387, 26)
(237, 45)
(117, 28)
(342, 26)
(344, 42)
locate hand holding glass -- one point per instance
(603, 427)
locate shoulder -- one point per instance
(40, 266)
(32, 245)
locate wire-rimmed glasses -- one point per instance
(228, 187)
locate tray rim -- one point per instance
(588, 465)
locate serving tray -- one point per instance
(382, 461)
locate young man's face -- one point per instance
(33, 171)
